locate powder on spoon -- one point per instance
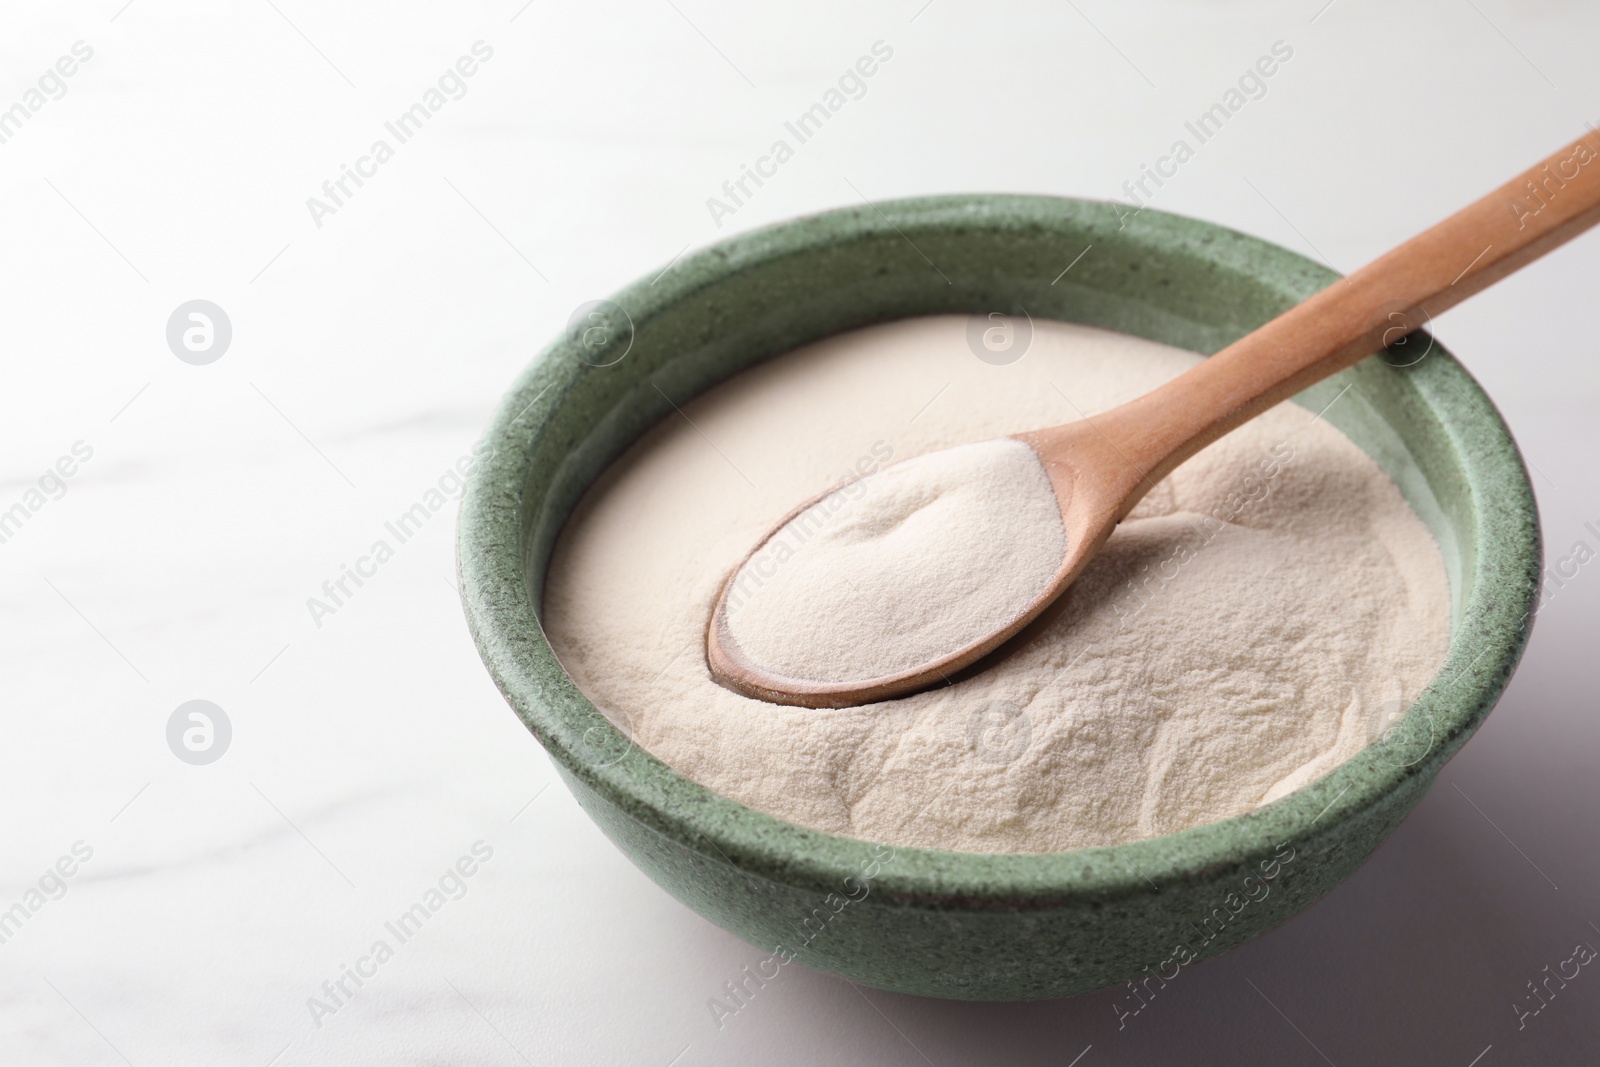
(906, 564)
(1258, 618)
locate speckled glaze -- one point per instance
(969, 925)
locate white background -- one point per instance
(372, 751)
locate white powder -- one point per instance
(907, 564)
(1252, 624)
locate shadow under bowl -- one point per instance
(960, 924)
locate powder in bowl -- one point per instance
(1248, 627)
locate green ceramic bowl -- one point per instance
(956, 924)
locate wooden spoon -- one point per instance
(1100, 467)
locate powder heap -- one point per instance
(1257, 619)
(903, 566)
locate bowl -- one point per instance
(960, 924)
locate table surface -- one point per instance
(372, 331)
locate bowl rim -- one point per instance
(1491, 629)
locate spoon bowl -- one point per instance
(1070, 455)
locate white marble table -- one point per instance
(210, 909)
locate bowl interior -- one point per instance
(1179, 281)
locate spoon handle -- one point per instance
(1355, 317)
